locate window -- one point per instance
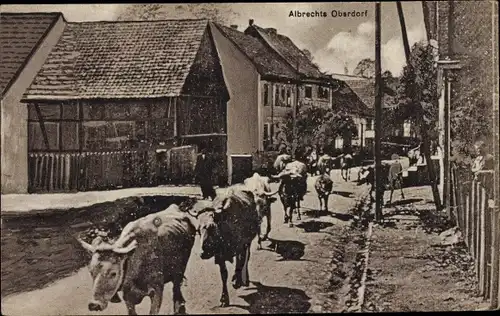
(308, 92)
(289, 97)
(283, 93)
(322, 92)
(267, 141)
(276, 96)
(369, 124)
(266, 95)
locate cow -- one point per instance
(263, 197)
(158, 253)
(312, 162)
(281, 162)
(325, 163)
(227, 228)
(346, 163)
(292, 188)
(324, 187)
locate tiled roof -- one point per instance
(345, 99)
(120, 60)
(293, 55)
(20, 35)
(263, 57)
(365, 89)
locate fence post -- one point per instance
(477, 212)
(495, 262)
(467, 219)
(482, 240)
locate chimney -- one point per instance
(271, 30)
(234, 26)
(250, 22)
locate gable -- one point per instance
(21, 35)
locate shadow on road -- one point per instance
(276, 300)
(287, 249)
(315, 213)
(342, 217)
(343, 193)
(405, 202)
(313, 226)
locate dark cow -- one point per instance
(263, 196)
(292, 188)
(346, 163)
(324, 187)
(227, 229)
(158, 253)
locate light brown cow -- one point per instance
(158, 252)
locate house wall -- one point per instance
(102, 125)
(242, 80)
(314, 99)
(14, 125)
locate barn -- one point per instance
(112, 95)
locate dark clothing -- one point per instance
(203, 174)
(395, 177)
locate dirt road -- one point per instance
(290, 279)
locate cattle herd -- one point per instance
(154, 250)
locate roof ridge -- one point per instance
(261, 30)
(135, 21)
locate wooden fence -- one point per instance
(65, 172)
(475, 213)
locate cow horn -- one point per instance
(271, 193)
(125, 236)
(86, 245)
(127, 249)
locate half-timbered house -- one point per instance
(112, 93)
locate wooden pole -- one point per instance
(406, 43)
(295, 108)
(495, 247)
(379, 192)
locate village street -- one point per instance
(291, 277)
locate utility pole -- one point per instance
(295, 108)
(379, 190)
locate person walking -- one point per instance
(203, 174)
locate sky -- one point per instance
(335, 42)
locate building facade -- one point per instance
(26, 40)
(127, 88)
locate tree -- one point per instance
(220, 13)
(365, 68)
(319, 127)
(417, 93)
(417, 101)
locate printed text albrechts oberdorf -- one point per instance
(324, 14)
